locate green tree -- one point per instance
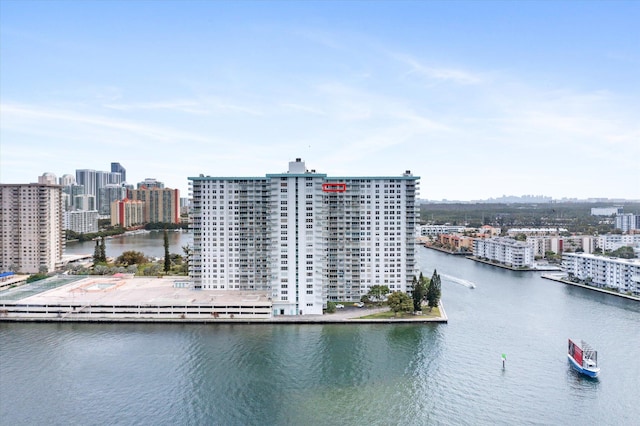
(331, 307)
(378, 292)
(96, 253)
(400, 302)
(103, 250)
(420, 286)
(153, 269)
(131, 258)
(167, 256)
(624, 252)
(434, 291)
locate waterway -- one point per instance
(150, 243)
(448, 374)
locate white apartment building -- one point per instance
(303, 236)
(606, 211)
(507, 251)
(535, 231)
(81, 221)
(600, 271)
(627, 222)
(31, 235)
(558, 245)
(612, 242)
(435, 230)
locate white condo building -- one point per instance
(600, 271)
(507, 251)
(81, 221)
(303, 236)
(31, 236)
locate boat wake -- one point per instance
(457, 280)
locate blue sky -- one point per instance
(480, 99)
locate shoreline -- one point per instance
(453, 253)
(557, 278)
(510, 268)
(353, 317)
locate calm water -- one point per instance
(151, 244)
(340, 374)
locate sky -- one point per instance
(480, 99)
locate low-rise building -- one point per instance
(535, 231)
(600, 271)
(611, 242)
(606, 211)
(435, 230)
(506, 251)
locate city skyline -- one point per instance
(479, 99)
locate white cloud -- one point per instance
(28, 118)
(436, 73)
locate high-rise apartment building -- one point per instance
(87, 178)
(80, 221)
(304, 236)
(127, 213)
(150, 183)
(627, 222)
(117, 168)
(31, 236)
(47, 179)
(109, 194)
(160, 205)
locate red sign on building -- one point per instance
(334, 187)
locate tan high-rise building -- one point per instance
(160, 204)
(31, 235)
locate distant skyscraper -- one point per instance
(117, 168)
(87, 178)
(67, 180)
(160, 204)
(108, 195)
(47, 179)
(150, 183)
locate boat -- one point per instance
(583, 358)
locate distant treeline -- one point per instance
(117, 230)
(161, 225)
(72, 235)
(575, 217)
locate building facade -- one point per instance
(127, 213)
(118, 168)
(627, 222)
(435, 230)
(109, 194)
(305, 237)
(81, 221)
(606, 211)
(160, 204)
(517, 254)
(600, 271)
(611, 242)
(31, 236)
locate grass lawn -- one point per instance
(435, 313)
